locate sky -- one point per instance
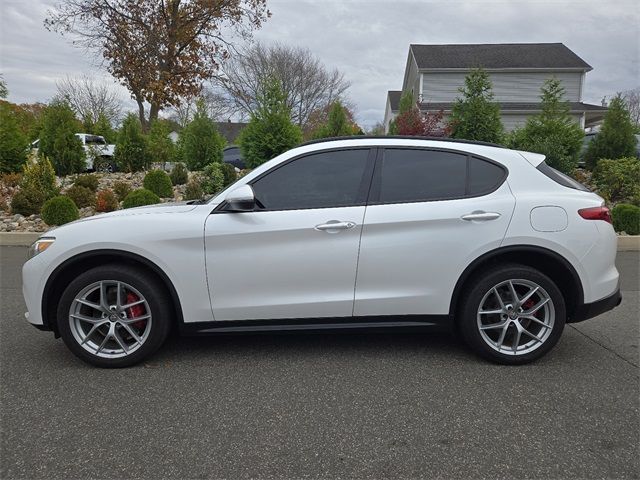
(366, 40)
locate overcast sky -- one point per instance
(367, 40)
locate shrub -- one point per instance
(158, 182)
(626, 218)
(39, 176)
(59, 210)
(139, 198)
(193, 191)
(200, 143)
(121, 189)
(229, 172)
(26, 202)
(81, 196)
(617, 180)
(106, 201)
(161, 147)
(11, 179)
(179, 175)
(58, 140)
(212, 178)
(131, 153)
(88, 181)
(13, 143)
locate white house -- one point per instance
(435, 73)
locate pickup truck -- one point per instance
(98, 153)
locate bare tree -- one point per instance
(631, 99)
(306, 82)
(91, 99)
(217, 106)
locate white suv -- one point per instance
(339, 234)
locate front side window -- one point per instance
(320, 180)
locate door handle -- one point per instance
(480, 216)
(335, 225)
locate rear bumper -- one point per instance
(593, 309)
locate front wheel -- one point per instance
(114, 316)
(513, 315)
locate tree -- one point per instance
(631, 100)
(377, 129)
(338, 124)
(406, 105)
(553, 132)
(90, 100)
(103, 127)
(13, 143)
(306, 83)
(58, 141)
(160, 51)
(270, 131)
(4, 91)
(200, 142)
(161, 148)
(475, 116)
(131, 153)
(616, 138)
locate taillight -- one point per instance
(596, 213)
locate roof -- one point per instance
(498, 56)
(394, 99)
(400, 137)
(509, 106)
(230, 130)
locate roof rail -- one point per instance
(401, 137)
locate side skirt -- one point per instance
(310, 325)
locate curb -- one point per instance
(626, 243)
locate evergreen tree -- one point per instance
(103, 128)
(161, 148)
(58, 141)
(553, 132)
(337, 125)
(131, 154)
(200, 142)
(475, 116)
(616, 138)
(13, 143)
(405, 108)
(270, 131)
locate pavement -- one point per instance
(322, 406)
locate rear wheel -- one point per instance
(513, 314)
(114, 316)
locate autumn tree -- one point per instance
(306, 83)
(161, 51)
(475, 115)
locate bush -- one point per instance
(139, 198)
(88, 181)
(131, 153)
(58, 140)
(212, 178)
(617, 180)
(27, 202)
(81, 196)
(158, 182)
(106, 201)
(200, 143)
(121, 189)
(13, 143)
(626, 218)
(179, 174)
(10, 180)
(193, 191)
(229, 172)
(59, 210)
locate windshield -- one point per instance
(94, 140)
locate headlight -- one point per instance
(40, 246)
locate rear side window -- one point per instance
(561, 178)
(414, 175)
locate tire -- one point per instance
(123, 329)
(502, 329)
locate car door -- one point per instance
(431, 212)
(295, 256)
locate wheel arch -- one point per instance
(552, 264)
(70, 268)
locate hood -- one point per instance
(169, 207)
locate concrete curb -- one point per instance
(628, 243)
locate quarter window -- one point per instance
(483, 176)
(321, 180)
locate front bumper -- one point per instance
(593, 309)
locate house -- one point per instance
(435, 73)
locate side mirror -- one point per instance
(241, 199)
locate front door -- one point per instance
(296, 255)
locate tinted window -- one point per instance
(421, 175)
(322, 180)
(483, 176)
(561, 178)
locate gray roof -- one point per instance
(394, 99)
(498, 55)
(230, 130)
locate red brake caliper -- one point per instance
(136, 310)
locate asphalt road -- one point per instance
(292, 406)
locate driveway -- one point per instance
(321, 406)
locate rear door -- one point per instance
(430, 213)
